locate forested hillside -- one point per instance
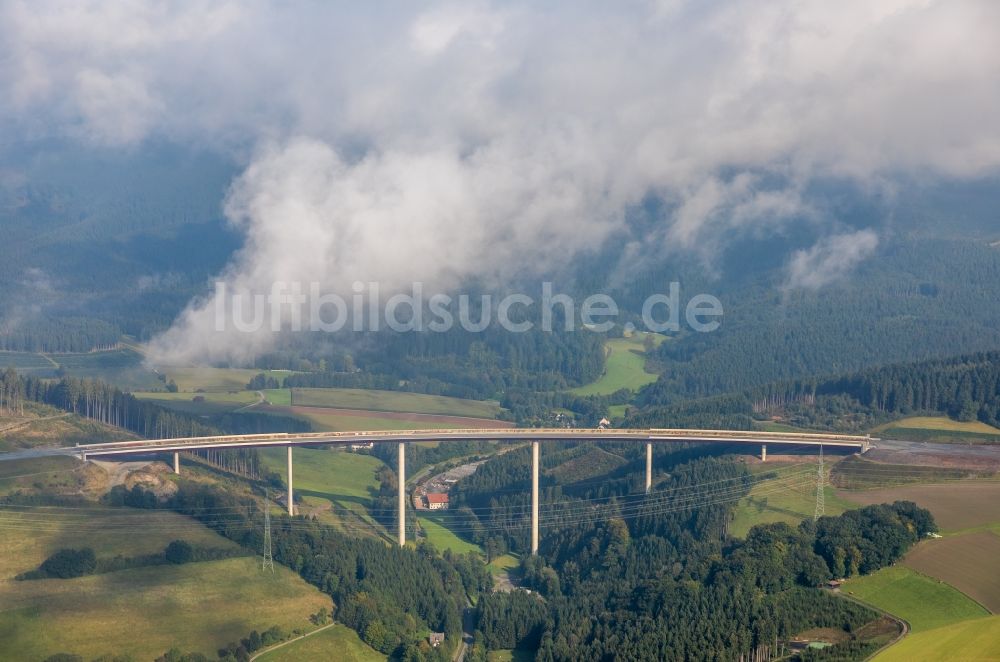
(656, 578)
(919, 298)
(966, 388)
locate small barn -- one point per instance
(437, 501)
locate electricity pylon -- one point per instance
(820, 495)
(268, 559)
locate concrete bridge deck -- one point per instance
(533, 435)
(862, 443)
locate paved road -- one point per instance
(916, 448)
(468, 627)
(31, 453)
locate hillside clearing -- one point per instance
(939, 423)
(143, 612)
(625, 367)
(337, 642)
(32, 533)
(349, 420)
(337, 486)
(218, 379)
(435, 526)
(392, 401)
(789, 496)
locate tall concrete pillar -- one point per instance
(177, 462)
(763, 452)
(534, 497)
(649, 466)
(402, 494)
(291, 494)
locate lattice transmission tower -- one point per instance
(268, 559)
(820, 495)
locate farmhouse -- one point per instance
(437, 501)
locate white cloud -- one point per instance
(830, 259)
(445, 140)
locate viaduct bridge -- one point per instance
(533, 435)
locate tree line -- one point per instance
(629, 593)
(966, 388)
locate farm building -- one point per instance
(437, 501)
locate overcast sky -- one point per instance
(435, 141)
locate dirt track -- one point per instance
(983, 457)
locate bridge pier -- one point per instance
(177, 462)
(534, 498)
(763, 452)
(649, 466)
(291, 495)
(402, 494)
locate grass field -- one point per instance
(939, 429)
(510, 656)
(337, 642)
(925, 603)
(978, 639)
(211, 403)
(47, 426)
(31, 537)
(940, 423)
(217, 379)
(281, 397)
(789, 497)
(58, 474)
(198, 606)
(956, 506)
(969, 562)
(121, 367)
(346, 420)
(144, 612)
(25, 362)
(392, 401)
(438, 534)
(336, 481)
(504, 563)
(624, 367)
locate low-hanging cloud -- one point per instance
(830, 259)
(441, 141)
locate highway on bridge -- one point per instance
(535, 436)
